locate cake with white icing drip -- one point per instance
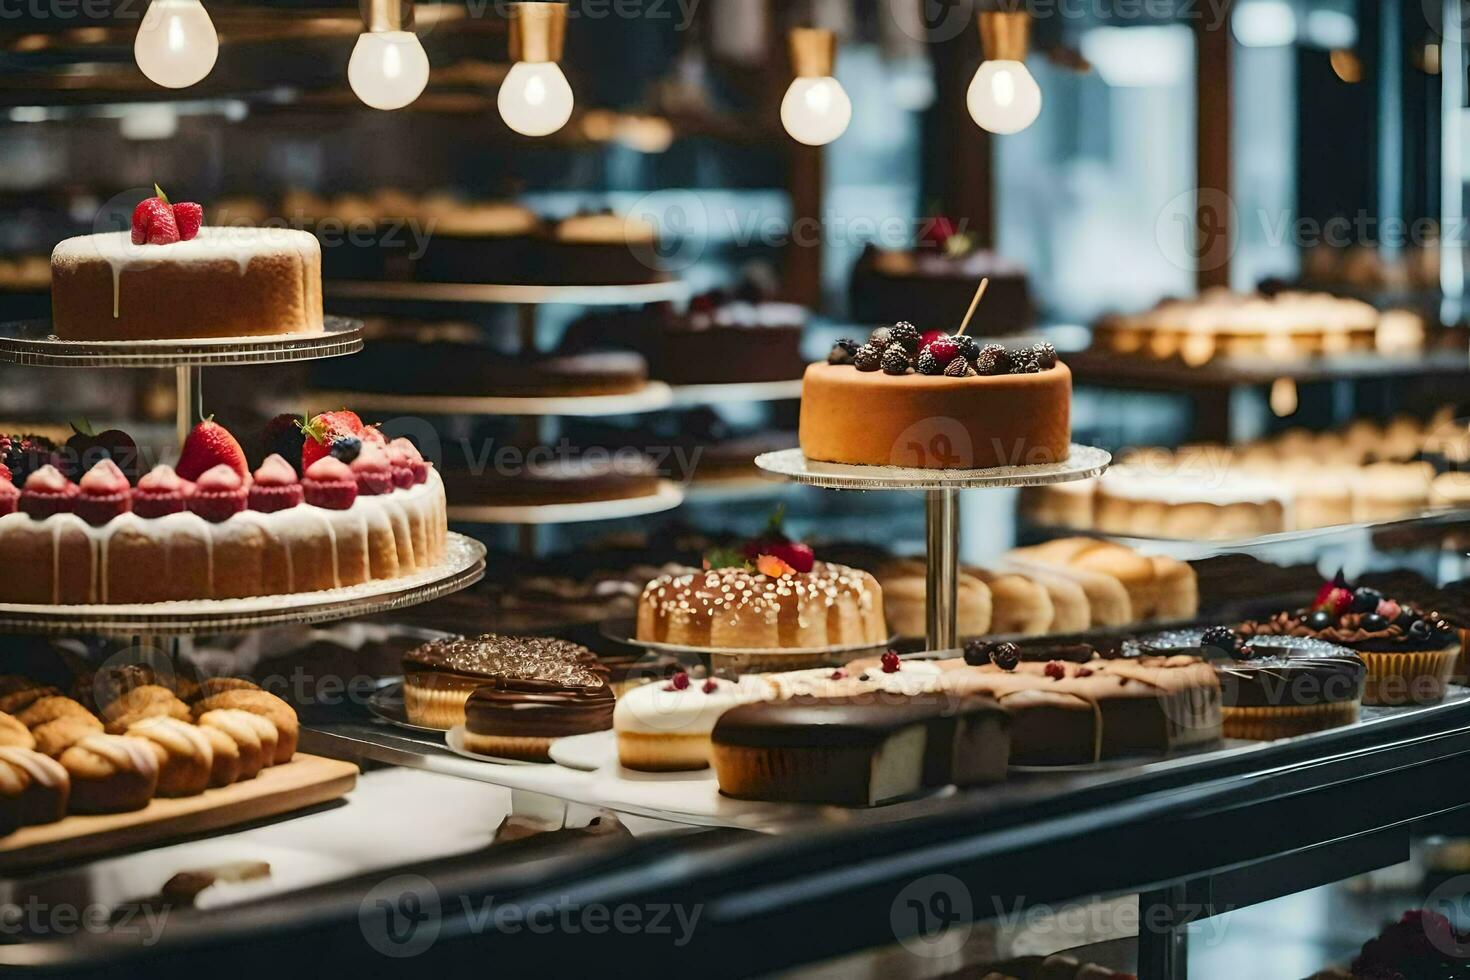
(225, 282)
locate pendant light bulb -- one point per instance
(389, 68)
(176, 45)
(816, 109)
(536, 99)
(1003, 97)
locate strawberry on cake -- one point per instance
(169, 278)
(211, 530)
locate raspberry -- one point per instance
(838, 675)
(189, 217)
(906, 334)
(1055, 670)
(679, 682)
(868, 358)
(710, 686)
(896, 360)
(944, 349)
(929, 364)
(843, 351)
(993, 359)
(1084, 672)
(154, 224)
(958, 368)
(890, 662)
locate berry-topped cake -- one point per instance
(168, 278)
(363, 509)
(772, 594)
(936, 402)
(1410, 652)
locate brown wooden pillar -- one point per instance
(1214, 224)
(964, 152)
(804, 251)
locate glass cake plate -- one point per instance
(463, 566)
(32, 343)
(1082, 462)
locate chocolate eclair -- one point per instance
(519, 718)
(1278, 686)
(439, 677)
(860, 750)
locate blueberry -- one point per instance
(1366, 600)
(1373, 623)
(1320, 620)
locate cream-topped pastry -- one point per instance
(665, 727)
(226, 282)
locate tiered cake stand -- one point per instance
(32, 343)
(942, 488)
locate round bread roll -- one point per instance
(226, 767)
(905, 588)
(12, 732)
(268, 706)
(244, 729)
(188, 759)
(45, 799)
(147, 701)
(55, 737)
(17, 701)
(111, 773)
(212, 686)
(51, 708)
(1018, 605)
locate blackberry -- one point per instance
(1221, 638)
(869, 357)
(958, 368)
(1373, 623)
(881, 337)
(24, 454)
(1321, 620)
(1024, 362)
(907, 334)
(977, 653)
(969, 347)
(896, 360)
(1006, 656)
(843, 351)
(1046, 355)
(928, 364)
(993, 359)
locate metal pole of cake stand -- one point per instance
(189, 386)
(942, 532)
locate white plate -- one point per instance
(586, 753)
(454, 738)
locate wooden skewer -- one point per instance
(974, 305)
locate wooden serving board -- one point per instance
(307, 780)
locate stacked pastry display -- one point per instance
(1294, 481)
(170, 278)
(1068, 585)
(1410, 652)
(62, 754)
(937, 276)
(1288, 325)
(338, 505)
(934, 401)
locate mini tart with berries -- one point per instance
(947, 404)
(1410, 653)
(665, 727)
(169, 279)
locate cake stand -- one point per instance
(668, 496)
(652, 397)
(942, 489)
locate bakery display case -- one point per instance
(771, 490)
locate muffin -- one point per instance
(186, 759)
(265, 705)
(48, 787)
(246, 731)
(111, 773)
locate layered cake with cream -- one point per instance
(168, 278)
(363, 509)
(941, 403)
(439, 677)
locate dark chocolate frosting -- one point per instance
(518, 657)
(860, 720)
(1348, 632)
(1285, 671)
(539, 709)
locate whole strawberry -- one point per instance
(1335, 597)
(208, 446)
(336, 434)
(154, 223)
(190, 218)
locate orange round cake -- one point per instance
(226, 282)
(903, 415)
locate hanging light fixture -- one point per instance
(1003, 97)
(815, 110)
(176, 44)
(389, 67)
(535, 98)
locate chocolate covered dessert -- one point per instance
(938, 277)
(936, 402)
(519, 718)
(439, 677)
(1275, 686)
(858, 751)
(1410, 652)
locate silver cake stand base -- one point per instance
(942, 506)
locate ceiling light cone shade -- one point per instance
(176, 45)
(1003, 97)
(816, 110)
(389, 69)
(535, 99)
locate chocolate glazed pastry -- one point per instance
(519, 719)
(1280, 686)
(439, 677)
